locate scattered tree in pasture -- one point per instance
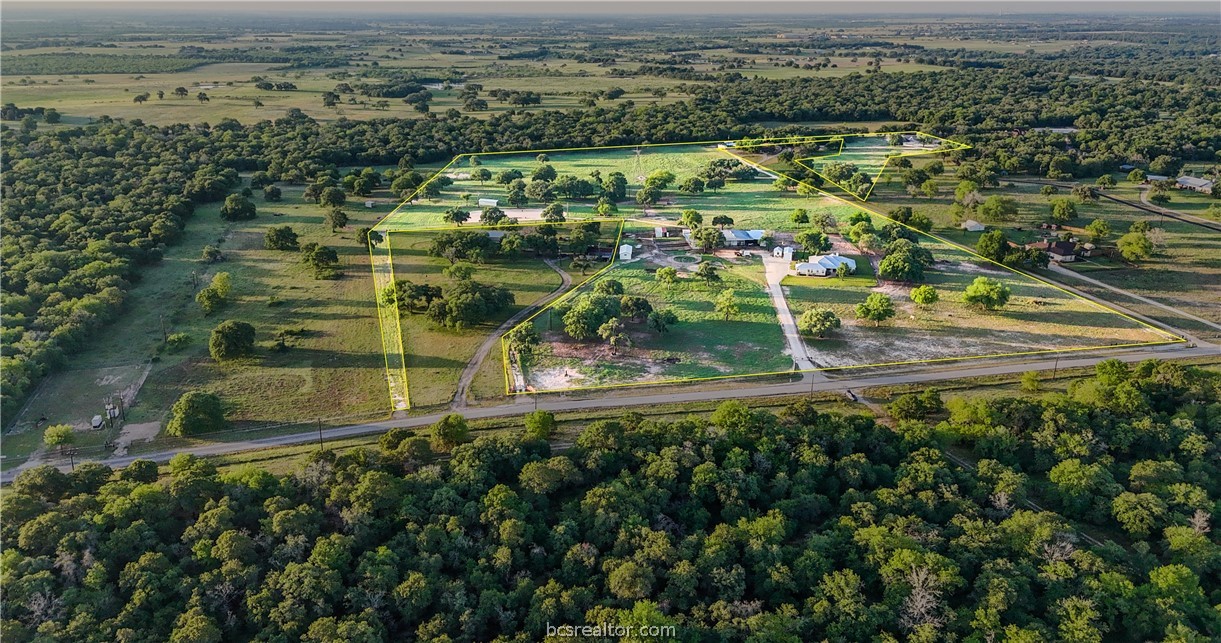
(726, 304)
(818, 322)
(409, 296)
(457, 215)
(877, 308)
(1099, 230)
(237, 208)
(707, 272)
(924, 296)
(336, 218)
(323, 260)
(692, 185)
(662, 320)
(231, 339)
(196, 413)
(1063, 210)
(59, 436)
(690, 219)
(1135, 246)
(998, 208)
(459, 271)
(368, 237)
(332, 197)
(987, 293)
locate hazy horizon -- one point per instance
(557, 8)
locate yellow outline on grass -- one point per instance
(885, 162)
(727, 147)
(398, 317)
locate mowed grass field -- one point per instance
(333, 361)
(436, 356)
(1184, 271)
(702, 344)
(752, 204)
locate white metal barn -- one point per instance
(489, 203)
(625, 252)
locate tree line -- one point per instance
(794, 526)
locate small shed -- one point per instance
(625, 252)
(96, 422)
(368, 203)
(660, 232)
(783, 251)
(489, 203)
(971, 225)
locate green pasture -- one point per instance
(702, 344)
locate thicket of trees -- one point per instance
(796, 526)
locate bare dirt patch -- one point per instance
(131, 433)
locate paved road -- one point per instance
(745, 390)
(472, 367)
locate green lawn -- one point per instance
(436, 356)
(703, 344)
(333, 361)
(751, 204)
(1183, 272)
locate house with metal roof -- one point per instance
(825, 265)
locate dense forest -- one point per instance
(86, 209)
(747, 525)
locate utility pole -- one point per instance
(1055, 369)
(320, 445)
(164, 336)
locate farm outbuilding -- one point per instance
(735, 238)
(1194, 183)
(783, 251)
(825, 265)
(971, 225)
(368, 203)
(489, 203)
(625, 252)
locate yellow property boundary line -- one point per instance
(885, 162)
(727, 147)
(386, 308)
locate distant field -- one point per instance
(1185, 271)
